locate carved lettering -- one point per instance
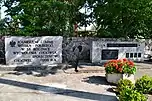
(34, 50)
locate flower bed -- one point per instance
(119, 69)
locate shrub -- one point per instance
(120, 66)
(144, 84)
(123, 84)
(128, 94)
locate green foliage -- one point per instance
(110, 70)
(122, 18)
(129, 70)
(112, 18)
(42, 17)
(144, 84)
(122, 84)
(128, 94)
(2, 27)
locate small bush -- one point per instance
(128, 94)
(123, 84)
(144, 84)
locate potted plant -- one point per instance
(120, 69)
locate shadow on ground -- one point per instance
(39, 71)
(60, 91)
(46, 70)
(98, 80)
(35, 71)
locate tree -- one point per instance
(122, 18)
(2, 27)
(42, 17)
(112, 18)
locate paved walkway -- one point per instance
(58, 87)
(87, 85)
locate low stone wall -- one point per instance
(73, 47)
(80, 47)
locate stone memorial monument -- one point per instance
(106, 50)
(33, 51)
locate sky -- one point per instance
(2, 12)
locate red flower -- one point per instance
(120, 69)
(116, 66)
(124, 59)
(119, 61)
(130, 63)
(105, 65)
(120, 65)
(113, 61)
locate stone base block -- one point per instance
(115, 77)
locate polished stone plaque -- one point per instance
(109, 54)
